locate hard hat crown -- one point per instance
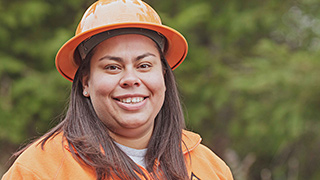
(108, 12)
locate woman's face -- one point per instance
(126, 85)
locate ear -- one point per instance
(85, 86)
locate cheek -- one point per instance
(100, 91)
(101, 85)
(156, 84)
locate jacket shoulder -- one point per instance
(203, 163)
(53, 161)
(36, 161)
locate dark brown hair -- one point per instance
(86, 134)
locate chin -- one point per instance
(133, 125)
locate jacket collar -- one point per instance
(190, 141)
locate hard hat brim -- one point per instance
(176, 52)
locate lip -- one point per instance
(131, 107)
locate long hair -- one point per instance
(89, 141)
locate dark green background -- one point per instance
(249, 85)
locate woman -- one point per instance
(124, 119)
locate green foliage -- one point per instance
(250, 84)
(32, 93)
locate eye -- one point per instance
(144, 66)
(113, 68)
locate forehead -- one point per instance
(127, 41)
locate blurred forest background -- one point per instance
(250, 83)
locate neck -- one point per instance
(137, 141)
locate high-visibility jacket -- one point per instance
(56, 162)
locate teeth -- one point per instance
(132, 100)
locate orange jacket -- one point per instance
(56, 162)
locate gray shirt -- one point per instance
(137, 155)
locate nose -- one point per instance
(129, 79)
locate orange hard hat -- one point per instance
(109, 15)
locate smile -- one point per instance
(131, 100)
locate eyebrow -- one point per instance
(119, 59)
